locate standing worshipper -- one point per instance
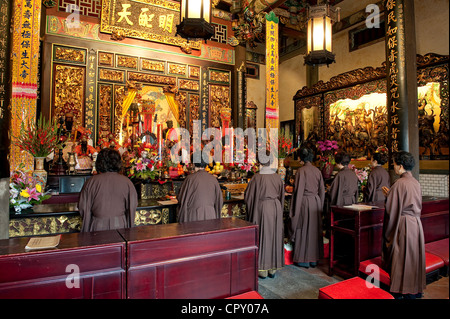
(109, 199)
(200, 197)
(264, 197)
(403, 254)
(344, 188)
(378, 178)
(306, 212)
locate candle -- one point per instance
(159, 137)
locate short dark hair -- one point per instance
(108, 160)
(404, 158)
(306, 154)
(342, 158)
(380, 157)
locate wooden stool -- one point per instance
(353, 288)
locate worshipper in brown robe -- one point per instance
(306, 212)
(378, 178)
(403, 253)
(109, 199)
(344, 188)
(264, 197)
(200, 197)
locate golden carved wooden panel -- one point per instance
(152, 78)
(129, 62)
(69, 87)
(104, 109)
(106, 59)
(194, 110)
(119, 95)
(181, 98)
(178, 69)
(219, 76)
(111, 75)
(67, 54)
(153, 65)
(188, 85)
(219, 97)
(194, 72)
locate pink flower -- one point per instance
(33, 194)
(140, 166)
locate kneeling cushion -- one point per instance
(247, 295)
(439, 248)
(432, 262)
(353, 288)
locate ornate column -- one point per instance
(5, 116)
(402, 79)
(24, 72)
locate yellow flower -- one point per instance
(39, 188)
(24, 193)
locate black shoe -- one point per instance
(304, 265)
(272, 273)
(313, 264)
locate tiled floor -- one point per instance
(292, 282)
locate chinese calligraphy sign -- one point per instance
(151, 20)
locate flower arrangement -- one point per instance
(363, 176)
(38, 139)
(25, 191)
(328, 149)
(145, 165)
(285, 144)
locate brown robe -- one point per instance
(403, 253)
(344, 188)
(200, 198)
(378, 178)
(264, 197)
(306, 214)
(107, 201)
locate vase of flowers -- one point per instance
(328, 149)
(25, 190)
(39, 139)
(284, 144)
(363, 176)
(145, 165)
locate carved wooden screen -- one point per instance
(361, 132)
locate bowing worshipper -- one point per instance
(200, 196)
(264, 197)
(109, 199)
(344, 188)
(403, 253)
(378, 178)
(306, 212)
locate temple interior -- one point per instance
(160, 84)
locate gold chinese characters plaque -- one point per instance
(151, 20)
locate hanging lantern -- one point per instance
(195, 20)
(319, 34)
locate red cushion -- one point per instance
(353, 288)
(439, 248)
(247, 295)
(367, 267)
(432, 262)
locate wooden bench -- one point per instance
(83, 266)
(205, 259)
